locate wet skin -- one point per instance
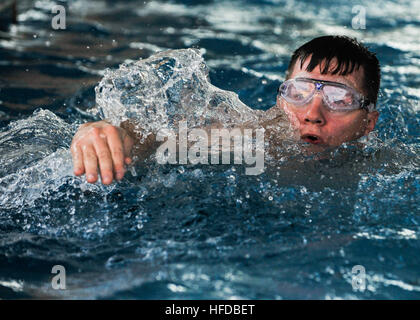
(100, 144)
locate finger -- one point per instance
(104, 159)
(91, 163)
(128, 146)
(77, 156)
(116, 148)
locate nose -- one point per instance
(314, 114)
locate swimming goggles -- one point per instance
(336, 96)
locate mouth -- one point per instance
(312, 138)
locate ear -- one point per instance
(372, 117)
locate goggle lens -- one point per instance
(340, 98)
(300, 91)
(337, 96)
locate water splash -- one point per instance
(164, 89)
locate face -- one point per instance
(316, 124)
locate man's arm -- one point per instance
(100, 144)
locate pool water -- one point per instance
(206, 231)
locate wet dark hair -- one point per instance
(350, 55)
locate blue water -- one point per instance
(205, 232)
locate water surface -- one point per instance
(203, 232)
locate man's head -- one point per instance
(340, 60)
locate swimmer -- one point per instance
(329, 97)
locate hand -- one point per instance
(104, 144)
